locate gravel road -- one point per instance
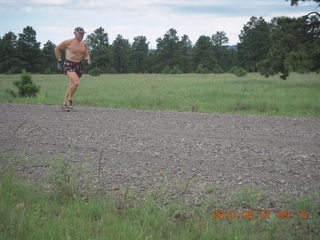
(143, 149)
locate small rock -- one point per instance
(115, 188)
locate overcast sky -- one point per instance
(55, 20)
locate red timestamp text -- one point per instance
(262, 214)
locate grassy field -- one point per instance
(299, 95)
(56, 209)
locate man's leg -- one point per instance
(73, 85)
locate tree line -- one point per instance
(280, 46)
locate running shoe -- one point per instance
(70, 104)
(66, 106)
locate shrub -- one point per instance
(175, 70)
(48, 71)
(26, 88)
(166, 70)
(202, 69)
(63, 180)
(238, 71)
(95, 72)
(264, 67)
(217, 69)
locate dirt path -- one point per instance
(141, 148)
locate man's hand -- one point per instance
(88, 61)
(59, 64)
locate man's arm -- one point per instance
(87, 56)
(61, 46)
(57, 52)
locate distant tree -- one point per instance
(219, 41)
(8, 50)
(97, 39)
(295, 47)
(28, 50)
(284, 41)
(203, 53)
(100, 50)
(168, 50)
(254, 43)
(139, 54)
(312, 34)
(230, 58)
(152, 65)
(48, 58)
(121, 50)
(185, 63)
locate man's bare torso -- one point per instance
(75, 50)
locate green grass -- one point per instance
(57, 208)
(299, 95)
(32, 211)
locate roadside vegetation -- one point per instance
(56, 208)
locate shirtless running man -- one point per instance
(76, 50)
